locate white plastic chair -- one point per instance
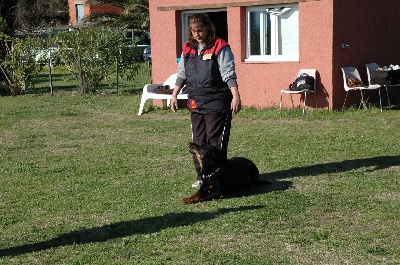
(310, 72)
(149, 92)
(353, 72)
(372, 67)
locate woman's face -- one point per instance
(199, 33)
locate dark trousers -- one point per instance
(213, 129)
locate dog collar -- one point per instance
(213, 173)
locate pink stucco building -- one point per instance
(299, 34)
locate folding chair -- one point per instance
(310, 72)
(353, 72)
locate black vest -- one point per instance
(207, 92)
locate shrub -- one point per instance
(19, 66)
(92, 55)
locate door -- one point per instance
(79, 12)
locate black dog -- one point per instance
(221, 176)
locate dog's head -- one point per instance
(209, 157)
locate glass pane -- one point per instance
(260, 33)
(288, 32)
(268, 35)
(255, 28)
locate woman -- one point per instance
(207, 68)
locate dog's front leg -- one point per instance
(195, 198)
(213, 192)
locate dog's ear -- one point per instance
(194, 150)
(193, 147)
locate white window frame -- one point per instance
(185, 19)
(274, 57)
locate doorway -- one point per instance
(218, 16)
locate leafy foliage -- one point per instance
(19, 66)
(3, 29)
(91, 55)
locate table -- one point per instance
(385, 78)
(389, 78)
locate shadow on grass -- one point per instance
(104, 88)
(275, 178)
(273, 181)
(122, 229)
(58, 88)
(379, 162)
(65, 82)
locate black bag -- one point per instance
(304, 81)
(164, 90)
(393, 77)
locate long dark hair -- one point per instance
(203, 20)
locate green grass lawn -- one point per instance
(85, 180)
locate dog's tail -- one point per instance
(255, 174)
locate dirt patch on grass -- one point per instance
(390, 196)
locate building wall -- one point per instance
(323, 26)
(261, 83)
(372, 36)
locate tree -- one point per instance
(6, 11)
(91, 55)
(28, 14)
(19, 67)
(135, 14)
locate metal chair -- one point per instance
(353, 72)
(310, 72)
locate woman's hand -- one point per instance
(236, 104)
(174, 100)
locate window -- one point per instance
(272, 33)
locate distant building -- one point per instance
(79, 9)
